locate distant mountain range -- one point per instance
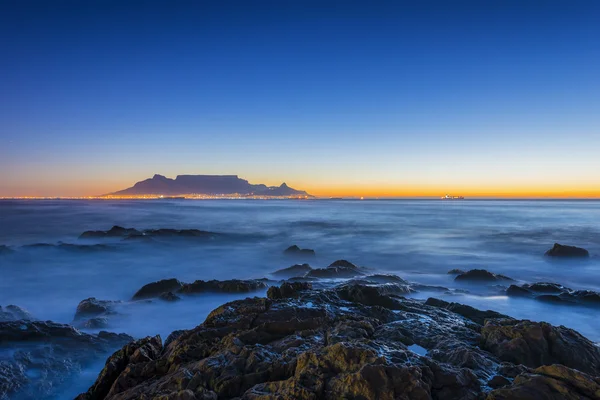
(205, 185)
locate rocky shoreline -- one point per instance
(341, 331)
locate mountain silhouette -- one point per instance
(207, 185)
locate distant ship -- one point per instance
(448, 197)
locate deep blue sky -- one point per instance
(422, 97)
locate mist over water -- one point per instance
(419, 240)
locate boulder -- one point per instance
(563, 251)
(534, 344)
(296, 270)
(481, 275)
(551, 382)
(169, 296)
(93, 307)
(12, 313)
(157, 288)
(296, 251)
(287, 290)
(472, 313)
(457, 271)
(341, 269)
(115, 231)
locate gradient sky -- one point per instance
(365, 98)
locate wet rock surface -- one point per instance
(564, 251)
(115, 231)
(157, 288)
(170, 289)
(352, 341)
(481, 275)
(38, 359)
(338, 269)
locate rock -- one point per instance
(555, 293)
(498, 381)
(115, 231)
(545, 287)
(518, 291)
(337, 269)
(12, 313)
(296, 251)
(169, 296)
(155, 289)
(93, 307)
(475, 315)
(534, 344)
(5, 249)
(348, 341)
(94, 323)
(481, 275)
(115, 373)
(559, 250)
(287, 289)
(189, 233)
(457, 271)
(228, 286)
(552, 382)
(296, 270)
(41, 359)
(385, 278)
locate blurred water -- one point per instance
(419, 240)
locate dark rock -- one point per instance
(534, 344)
(297, 270)
(114, 376)
(498, 381)
(385, 278)
(481, 275)
(559, 250)
(189, 233)
(5, 249)
(296, 251)
(41, 359)
(347, 342)
(155, 289)
(457, 271)
(228, 286)
(475, 315)
(169, 296)
(587, 297)
(115, 231)
(94, 323)
(12, 313)
(552, 382)
(93, 307)
(545, 287)
(339, 269)
(343, 264)
(287, 290)
(518, 291)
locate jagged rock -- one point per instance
(457, 271)
(228, 286)
(481, 275)
(472, 313)
(555, 293)
(534, 344)
(559, 250)
(287, 289)
(348, 341)
(12, 313)
(39, 359)
(552, 382)
(296, 251)
(337, 269)
(296, 270)
(93, 307)
(119, 370)
(155, 289)
(115, 231)
(94, 323)
(385, 278)
(169, 296)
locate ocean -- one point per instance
(418, 240)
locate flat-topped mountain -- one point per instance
(205, 185)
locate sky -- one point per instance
(370, 98)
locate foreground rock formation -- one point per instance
(353, 341)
